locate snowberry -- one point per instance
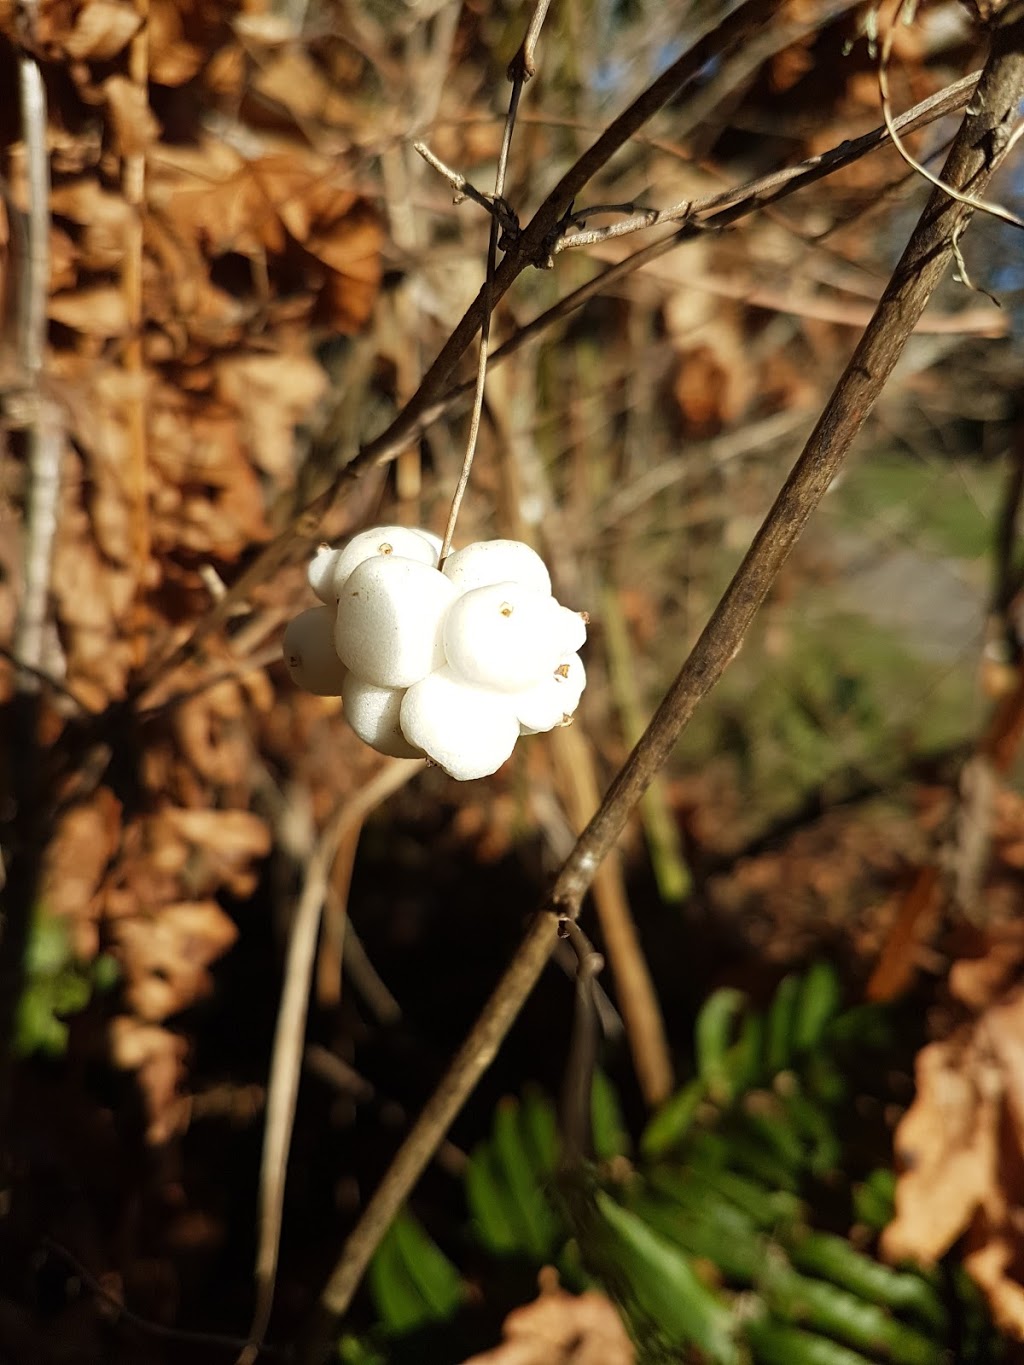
(384, 541)
(504, 636)
(373, 713)
(321, 573)
(554, 701)
(454, 665)
(390, 618)
(497, 561)
(572, 629)
(466, 730)
(309, 653)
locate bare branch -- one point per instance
(517, 77)
(426, 405)
(971, 200)
(579, 1071)
(469, 1064)
(522, 67)
(290, 1033)
(976, 153)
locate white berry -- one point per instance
(373, 713)
(497, 561)
(554, 701)
(390, 618)
(321, 573)
(384, 541)
(309, 653)
(467, 731)
(504, 636)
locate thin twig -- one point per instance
(577, 1129)
(522, 67)
(715, 212)
(469, 1064)
(634, 988)
(517, 77)
(26, 816)
(465, 189)
(1008, 138)
(159, 1330)
(44, 435)
(289, 1035)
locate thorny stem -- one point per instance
(971, 162)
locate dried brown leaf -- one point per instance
(166, 955)
(76, 861)
(132, 122)
(102, 29)
(158, 1056)
(961, 1146)
(562, 1329)
(99, 311)
(272, 395)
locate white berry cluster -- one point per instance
(455, 664)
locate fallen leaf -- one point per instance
(562, 1329)
(961, 1150)
(102, 29)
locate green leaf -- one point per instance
(768, 1209)
(532, 1216)
(771, 1126)
(490, 1204)
(708, 1228)
(777, 1344)
(663, 1285)
(435, 1277)
(874, 1199)
(744, 1061)
(537, 1117)
(833, 1258)
(673, 1121)
(842, 1314)
(815, 1008)
(400, 1306)
(811, 1120)
(610, 1136)
(713, 1035)
(780, 1024)
(355, 1351)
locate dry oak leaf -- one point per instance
(562, 1329)
(228, 841)
(132, 121)
(962, 1148)
(96, 311)
(158, 1058)
(272, 395)
(103, 28)
(166, 955)
(76, 861)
